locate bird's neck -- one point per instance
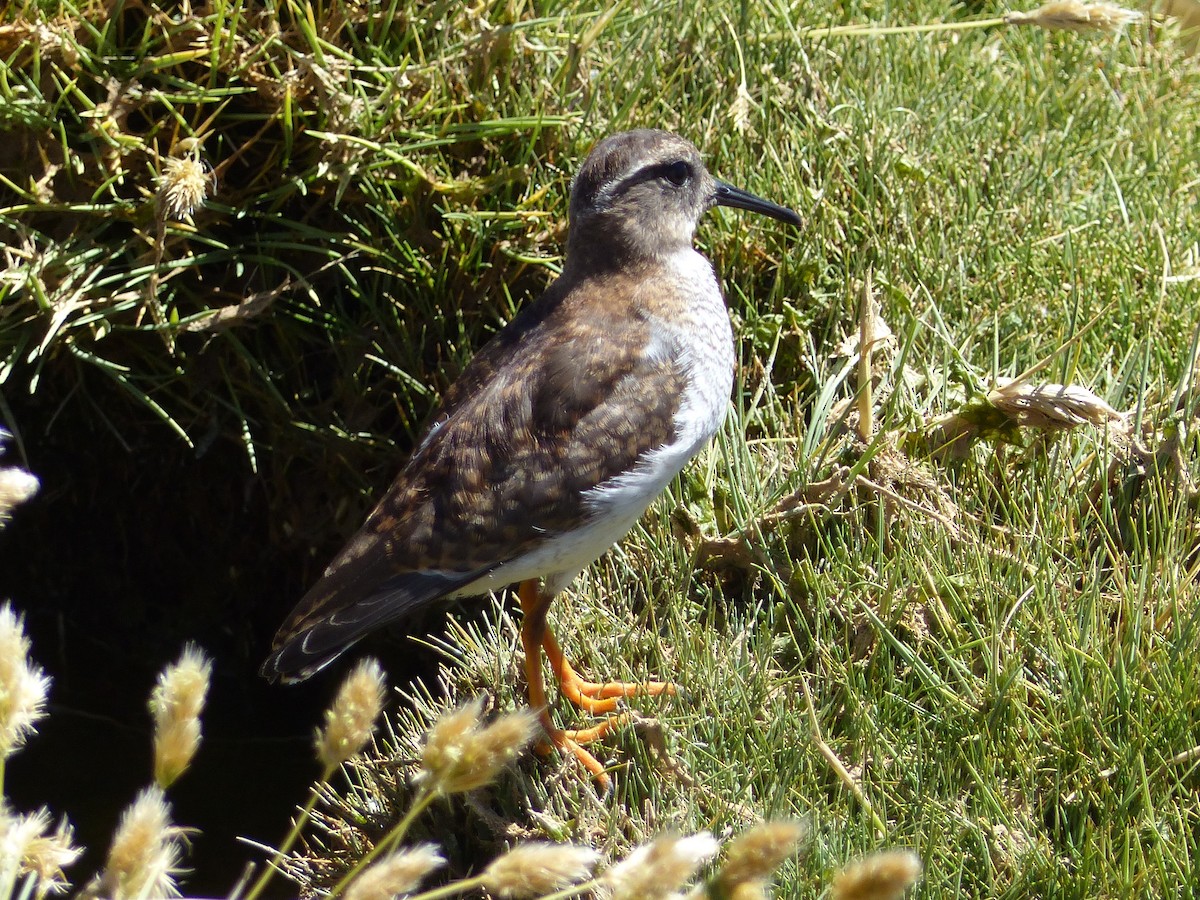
(591, 252)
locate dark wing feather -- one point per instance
(563, 399)
(318, 642)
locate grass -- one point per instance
(1013, 694)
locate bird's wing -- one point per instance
(322, 627)
(560, 411)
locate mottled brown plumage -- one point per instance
(533, 422)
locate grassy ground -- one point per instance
(998, 643)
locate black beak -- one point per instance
(728, 195)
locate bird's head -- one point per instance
(641, 194)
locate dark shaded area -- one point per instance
(133, 547)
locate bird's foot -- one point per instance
(572, 741)
(596, 697)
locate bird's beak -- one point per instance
(728, 195)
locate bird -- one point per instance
(557, 435)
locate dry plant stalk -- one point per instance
(866, 344)
(1073, 15)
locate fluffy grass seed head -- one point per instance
(880, 876)
(350, 721)
(462, 754)
(656, 870)
(23, 686)
(145, 853)
(538, 868)
(752, 858)
(1074, 15)
(176, 703)
(182, 186)
(16, 486)
(747, 890)
(396, 874)
(28, 847)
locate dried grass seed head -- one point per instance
(1073, 15)
(537, 868)
(752, 858)
(880, 876)
(144, 858)
(1051, 406)
(350, 721)
(657, 870)
(28, 847)
(176, 704)
(23, 686)
(462, 754)
(182, 186)
(398, 873)
(16, 486)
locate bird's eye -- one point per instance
(678, 172)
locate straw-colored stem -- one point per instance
(574, 890)
(288, 842)
(450, 890)
(390, 840)
(839, 769)
(861, 30)
(866, 343)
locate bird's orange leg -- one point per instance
(534, 605)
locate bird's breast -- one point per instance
(699, 331)
(690, 323)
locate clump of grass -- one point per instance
(146, 850)
(28, 849)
